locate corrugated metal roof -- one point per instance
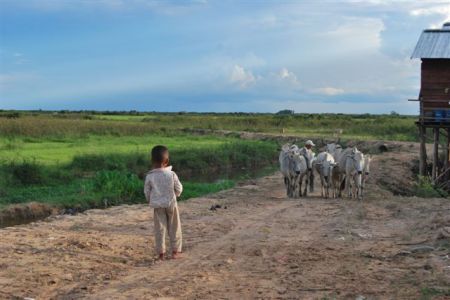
(433, 44)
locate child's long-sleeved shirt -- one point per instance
(162, 187)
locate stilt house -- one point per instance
(433, 48)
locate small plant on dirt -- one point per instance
(424, 188)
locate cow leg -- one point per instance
(286, 185)
(329, 185)
(355, 188)
(362, 189)
(305, 191)
(294, 190)
(321, 186)
(289, 187)
(293, 186)
(342, 184)
(311, 181)
(335, 189)
(359, 192)
(348, 186)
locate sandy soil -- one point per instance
(262, 246)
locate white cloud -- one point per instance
(288, 76)
(443, 10)
(357, 33)
(329, 91)
(242, 77)
(432, 10)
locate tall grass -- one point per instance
(44, 126)
(390, 127)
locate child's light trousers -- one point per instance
(167, 220)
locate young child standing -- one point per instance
(162, 187)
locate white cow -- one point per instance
(337, 179)
(293, 166)
(354, 167)
(334, 149)
(324, 165)
(365, 177)
(309, 155)
(349, 171)
(302, 174)
(337, 174)
(285, 165)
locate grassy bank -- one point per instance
(101, 180)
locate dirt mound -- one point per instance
(394, 171)
(24, 213)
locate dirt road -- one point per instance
(262, 246)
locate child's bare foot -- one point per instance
(161, 256)
(175, 254)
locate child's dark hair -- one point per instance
(158, 153)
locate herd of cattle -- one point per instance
(339, 169)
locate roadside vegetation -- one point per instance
(75, 173)
(424, 188)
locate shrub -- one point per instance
(119, 185)
(242, 154)
(426, 189)
(97, 162)
(27, 172)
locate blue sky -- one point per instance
(250, 55)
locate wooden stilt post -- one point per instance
(447, 153)
(435, 154)
(423, 151)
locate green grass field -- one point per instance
(50, 151)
